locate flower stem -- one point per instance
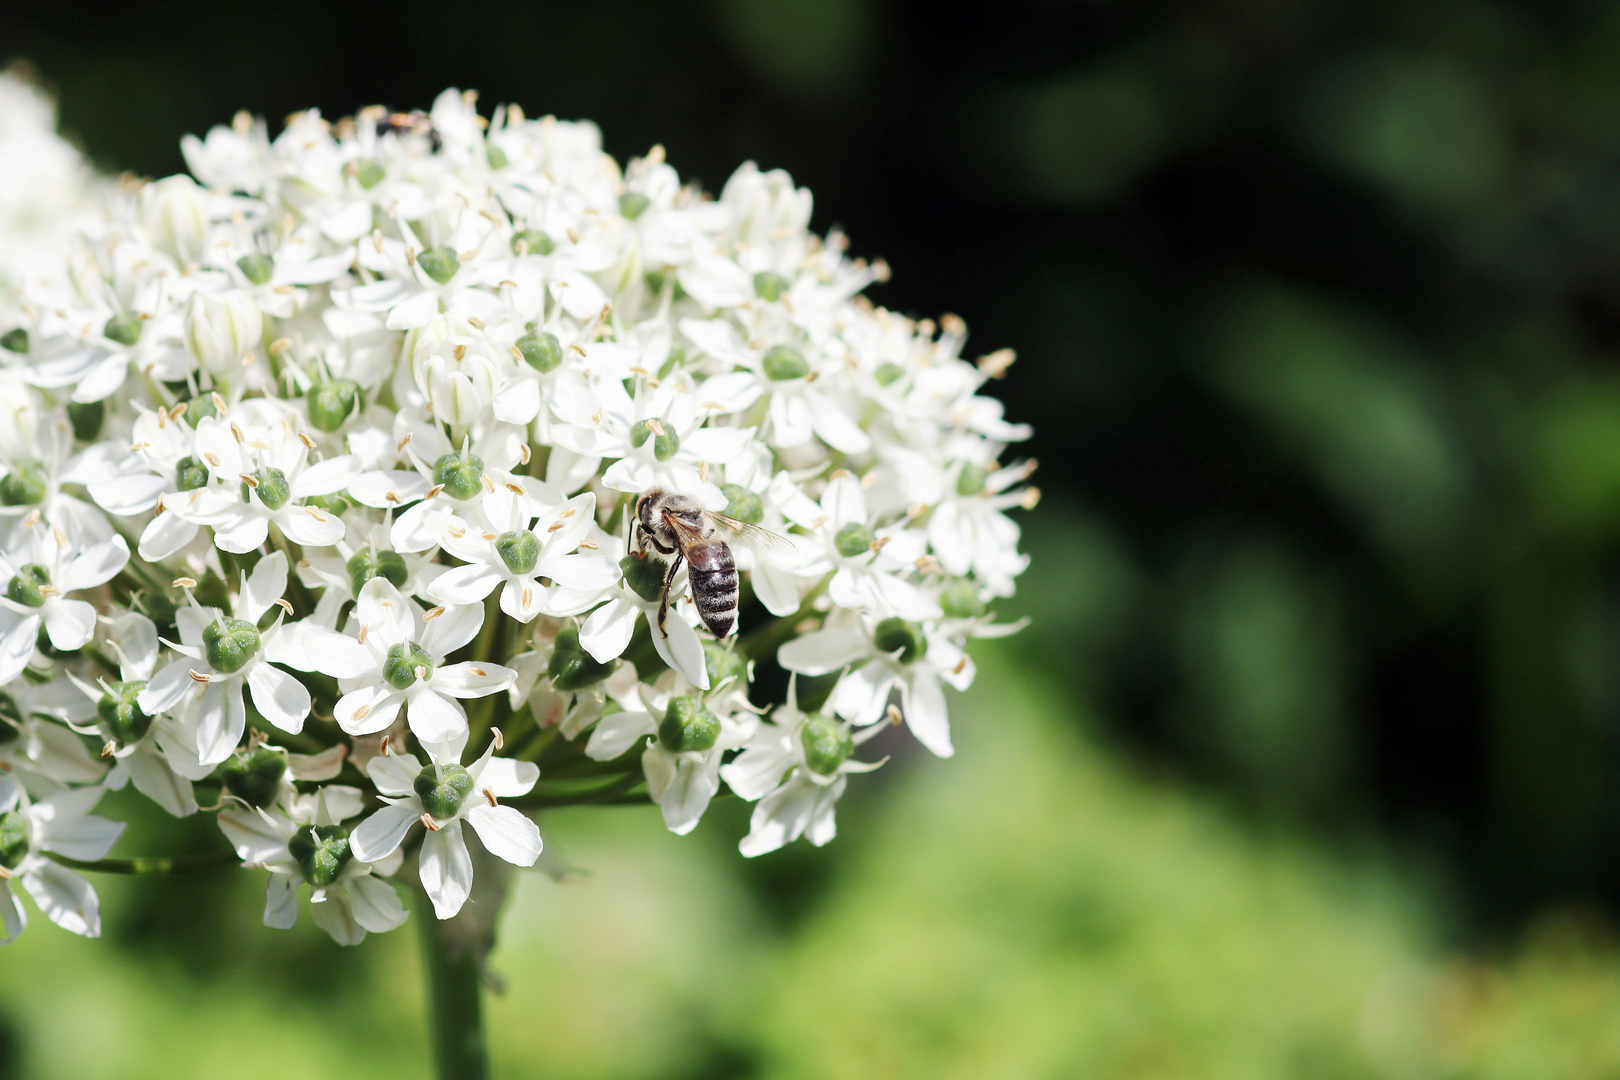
(455, 997)
(177, 864)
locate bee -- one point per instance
(678, 525)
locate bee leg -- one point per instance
(663, 601)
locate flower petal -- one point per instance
(446, 870)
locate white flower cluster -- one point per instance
(392, 413)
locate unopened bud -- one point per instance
(221, 328)
(175, 213)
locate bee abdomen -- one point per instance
(714, 587)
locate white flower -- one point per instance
(263, 476)
(886, 656)
(131, 736)
(309, 845)
(221, 329)
(795, 766)
(219, 654)
(442, 796)
(60, 823)
(868, 564)
(682, 764)
(502, 548)
(398, 662)
(39, 576)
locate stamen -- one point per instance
(198, 676)
(894, 716)
(490, 795)
(427, 819)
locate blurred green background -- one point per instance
(1308, 765)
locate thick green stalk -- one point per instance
(455, 1003)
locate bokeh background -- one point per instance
(1307, 766)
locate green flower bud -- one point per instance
(440, 264)
(644, 576)
(333, 403)
(888, 372)
(462, 476)
(571, 667)
(15, 340)
(665, 446)
(13, 839)
(254, 776)
(321, 852)
(190, 474)
(257, 267)
(688, 726)
(230, 643)
(272, 490)
(541, 351)
(337, 504)
(200, 408)
(368, 563)
(769, 286)
(124, 328)
(369, 173)
(518, 550)
(723, 663)
(405, 663)
(25, 484)
(826, 743)
(853, 539)
(27, 588)
(970, 481)
(960, 600)
(894, 633)
(120, 715)
(532, 242)
(743, 504)
(496, 157)
(632, 204)
(784, 362)
(442, 789)
(86, 418)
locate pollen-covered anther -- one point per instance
(427, 819)
(249, 479)
(880, 542)
(33, 519)
(523, 453)
(309, 443)
(475, 322)
(588, 544)
(109, 749)
(184, 583)
(236, 433)
(961, 665)
(461, 352)
(284, 604)
(420, 671)
(1030, 498)
(497, 738)
(399, 449)
(198, 676)
(996, 364)
(916, 510)
(517, 489)
(554, 526)
(434, 614)
(490, 795)
(433, 491)
(894, 716)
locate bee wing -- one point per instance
(752, 536)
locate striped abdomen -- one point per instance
(714, 585)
